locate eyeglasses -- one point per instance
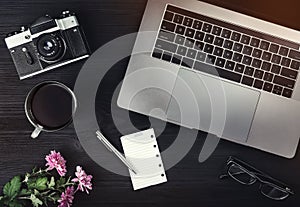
(248, 175)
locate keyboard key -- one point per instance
(237, 57)
(228, 54)
(157, 53)
(256, 63)
(239, 68)
(257, 53)
(226, 33)
(245, 39)
(199, 45)
(166, 36)
(217, 30)
(178, 19)
(236, 36)
(266, 66)
(218, 72)
(219, 41)
(206, 27)
(208, 48)
(228, 44)
(295, 65)
(186, 62)
(249, 71)
(201, 56)
(266, 56)
(247, 81)
(218, 51)
(274, 48)
(209, 38)
(264, 45)
(167, 56)
(258, 84)
(276, 59)
(190, 32)
(284, 82)
(229, 65)
(182, 50)
(161, 44)
(287, 93)
(259, 74)
(247, 60)
(247, 50)
(168, 26)
(191, 53)
(210, 59)
(283, 51)
(180, 40)
(197, 25)
(180, 29)
(169, 16)
(294, 54)
(268, 77)
(289, 73)
(177, 59)
(277, 90)
(237, 47)
(189, 43)
(255, 42)
(220, 62)
(199, 35)
(268, 87)
(285, 62)
(188, 22)
(275, 69)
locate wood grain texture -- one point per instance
(190, 183)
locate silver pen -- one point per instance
(111, 148)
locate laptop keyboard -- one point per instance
(231, 52)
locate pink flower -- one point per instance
(67, 197)
(55, 160)
(84, 180)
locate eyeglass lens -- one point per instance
(240, 175)
(243, 177)
(273, 192)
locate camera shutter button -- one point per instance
(28, 56)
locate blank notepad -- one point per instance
(142, 151)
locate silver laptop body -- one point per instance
(174, 77)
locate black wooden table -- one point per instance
(190, 183)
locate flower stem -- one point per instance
(24, 198)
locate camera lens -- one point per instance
(51, 47)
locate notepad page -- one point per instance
(142, 151)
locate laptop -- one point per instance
(212, 69)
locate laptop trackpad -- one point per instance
(209, 104)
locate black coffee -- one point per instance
(51, 106)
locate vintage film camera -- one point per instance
(47, 44)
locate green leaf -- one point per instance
(12, 188)
(60, 182)
(41, 183)
(1, 201)
(51, 184)
(15, 203)
(31, 183)
(24, 192)
(35, 201)
(36, 192)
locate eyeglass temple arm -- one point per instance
(226, 175)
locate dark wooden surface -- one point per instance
(189, 182)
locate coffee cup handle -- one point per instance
(36, 132)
